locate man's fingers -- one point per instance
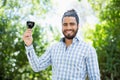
(27, 37)
(28, 33)
(29, 30)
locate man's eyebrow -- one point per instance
(65, 23)
(72, 22)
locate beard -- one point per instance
(70, 36)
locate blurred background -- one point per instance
(99, 26)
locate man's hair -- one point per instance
(71, 13)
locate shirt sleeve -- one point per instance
(38, 63)
(92, 65)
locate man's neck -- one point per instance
(68, 41)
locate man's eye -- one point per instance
(65, 24)
(72, 24)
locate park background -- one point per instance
(99, 27)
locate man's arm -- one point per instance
(38, 63)
(92, 65)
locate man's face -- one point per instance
(69, 27)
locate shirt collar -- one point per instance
(75, 39)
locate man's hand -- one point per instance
(27, 37)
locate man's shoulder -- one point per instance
(54, 45)
(85, 44)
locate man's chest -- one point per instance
(73, 56)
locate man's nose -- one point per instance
(68, 26)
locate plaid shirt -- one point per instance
(74, 62)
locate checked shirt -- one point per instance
(74, 62)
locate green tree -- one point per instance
(13, 61)
(106, 40)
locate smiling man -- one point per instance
(71, 58)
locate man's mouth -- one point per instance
(68, 32)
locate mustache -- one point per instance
(68, 30)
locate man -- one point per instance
(71, 58)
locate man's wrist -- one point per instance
(29, 47)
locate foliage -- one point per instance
(13, 61)
(98, 5)
(106, 40)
